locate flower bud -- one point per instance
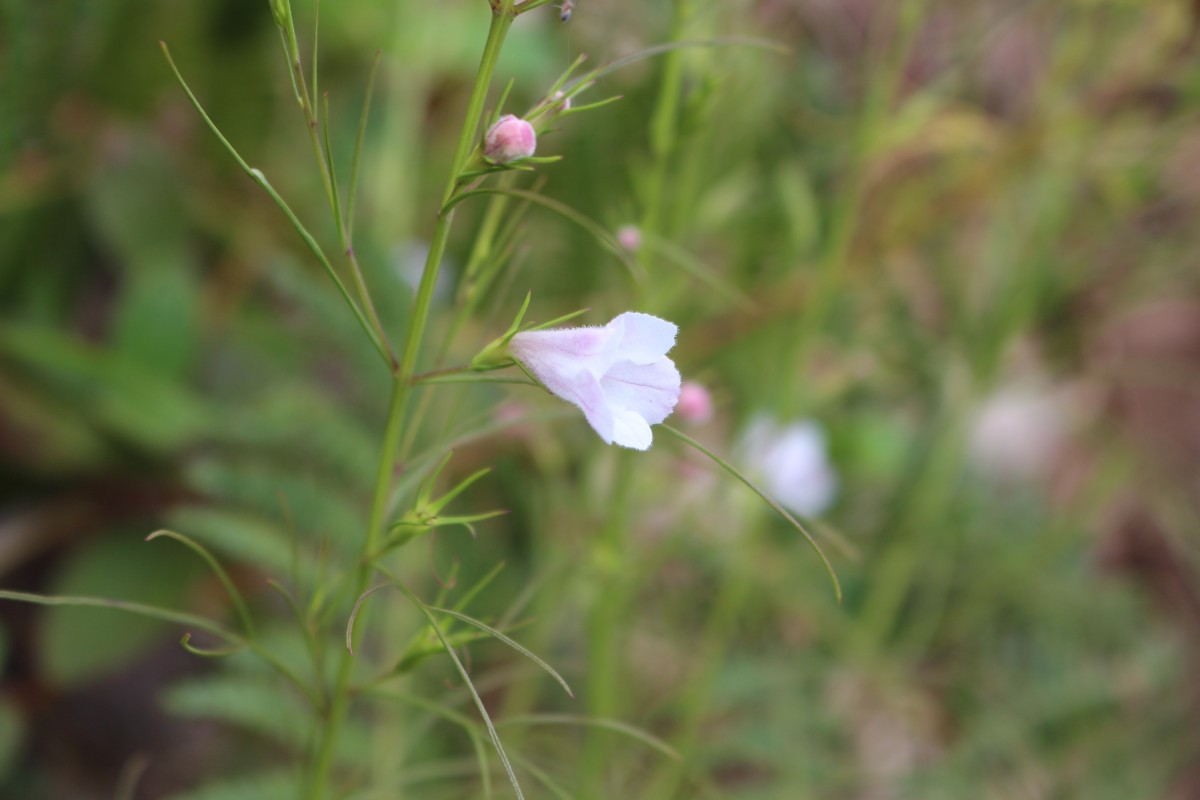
(563, 100)
(509, 139)
(695, 403)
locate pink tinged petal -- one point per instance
(644, 338)
(648, 390)
(618, 375)
(509, 139)
(585, 392)
(554, 353)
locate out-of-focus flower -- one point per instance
(629, 237)
(793, 464)
(509, 139)
(1017, 433)
(695, 402)
(618, 375)
(409, 258)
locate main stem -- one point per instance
(339, 697)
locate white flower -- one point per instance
(793, 463)
(618, 375)
(1018, 432)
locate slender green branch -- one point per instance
(258, 177)
(501, 22)
(356, 161)
(339, 697)
(167, 615)
(324, 156)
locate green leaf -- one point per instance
(255, 703)
(123, 397)
(264, 786)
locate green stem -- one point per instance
(611, 600)
(502, 20)
(339, 699)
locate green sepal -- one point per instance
(495, 355)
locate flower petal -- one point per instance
(583, 391)
(556, 354)
(618, 375)
(645, 338)
(630, 430)
(648, 390)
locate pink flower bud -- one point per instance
(695, 403)
(629, 237)
(509, 139)
(566, 101)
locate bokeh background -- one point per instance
(956, 240)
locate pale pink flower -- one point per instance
(1018, 432)
(695, 403)
(629, 237)
(509, 139)
(618, 375)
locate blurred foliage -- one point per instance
(915, 208)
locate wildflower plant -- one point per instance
(619, 376)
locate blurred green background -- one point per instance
(959, 236)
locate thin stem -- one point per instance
(339, 700)
(258, 177)
(502, 20)
(340, 696)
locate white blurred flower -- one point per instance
(618, 375)
(793, 463)
(1017, 432)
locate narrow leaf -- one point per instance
(771, 501)
(222, 575)
(461, 617)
